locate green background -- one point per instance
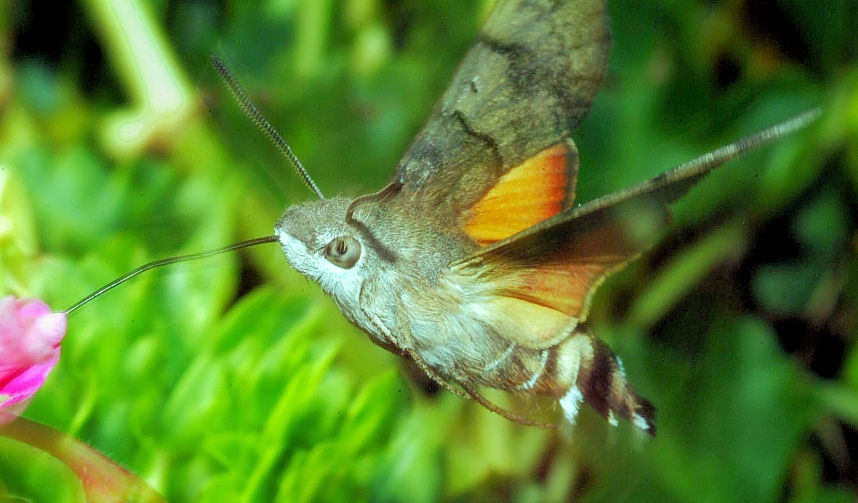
(234, 379)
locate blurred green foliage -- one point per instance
(118, 146)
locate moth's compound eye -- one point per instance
(343, 251)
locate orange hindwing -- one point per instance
(533, 191)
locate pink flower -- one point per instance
(30, 337)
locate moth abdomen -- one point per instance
(583, 369)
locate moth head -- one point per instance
(319, 243)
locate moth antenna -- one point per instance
(167, 261)
(261, 122)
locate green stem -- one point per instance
(103, 480)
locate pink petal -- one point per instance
(30, 310)
(29, 332)
(44, 336)
(21, 386)
(30, 337)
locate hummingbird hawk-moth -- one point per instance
(473, 261)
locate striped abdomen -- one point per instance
(581, 368)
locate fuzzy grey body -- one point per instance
(398, 292)
(404, 295)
